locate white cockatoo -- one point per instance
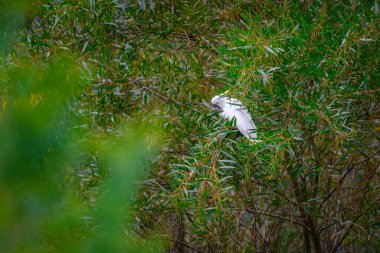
(233, 110)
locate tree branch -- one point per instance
(343, 177)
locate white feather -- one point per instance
(232, 108)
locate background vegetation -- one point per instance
(109, 143)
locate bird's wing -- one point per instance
(244, 123)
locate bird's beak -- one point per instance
(217, 108)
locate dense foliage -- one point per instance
(306, 70)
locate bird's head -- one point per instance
(218, 103)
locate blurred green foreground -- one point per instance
(40, 151)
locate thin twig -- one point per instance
(277, 216)
(167, 99)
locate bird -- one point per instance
(233, 110)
